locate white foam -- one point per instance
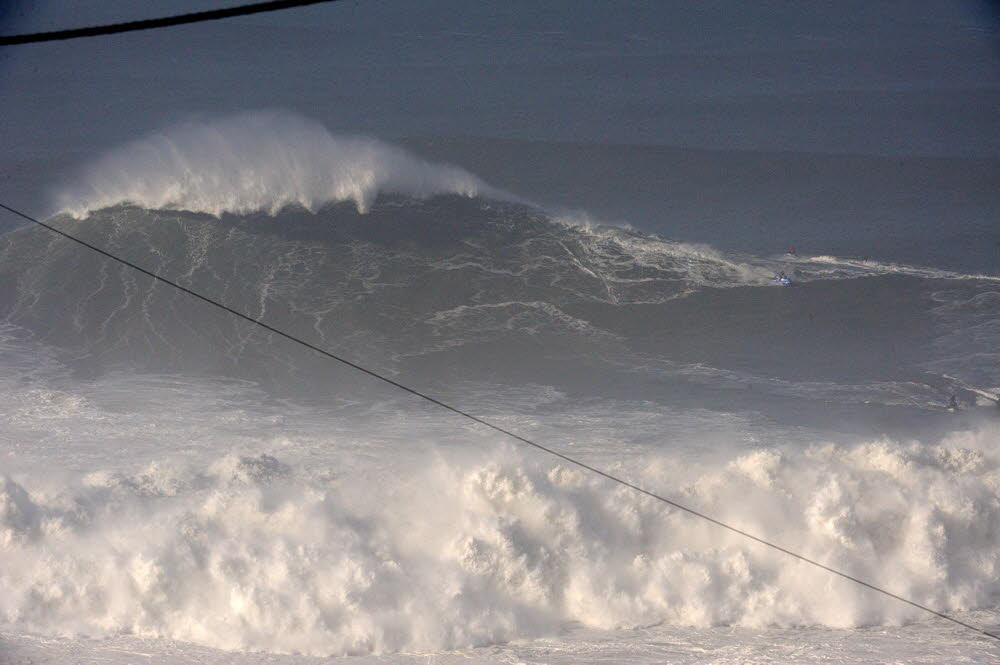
(473, 323)
(700, 264)
(259, 161)
(846, 267)
(250, 553)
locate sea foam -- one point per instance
(259, 161)
(483, 547)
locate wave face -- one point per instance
(421, 270)
(250, 553)
(262, 161)
(406, 281)
(450, 288)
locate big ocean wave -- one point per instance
(346, 241)
(186, 507)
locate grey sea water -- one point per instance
(571, 229)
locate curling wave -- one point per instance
(260, 161)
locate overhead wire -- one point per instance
(497, 428)
(154, 23)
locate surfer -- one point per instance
(792, 252)
(953, 403)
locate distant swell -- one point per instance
(262, 161)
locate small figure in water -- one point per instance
(782, 275)
(792, 252)
(953, 403)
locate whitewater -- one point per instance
(179, 486)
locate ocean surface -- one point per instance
(180, 486)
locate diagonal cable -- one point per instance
(497, 428)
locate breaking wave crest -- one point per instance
(262, 161)
(253, 553)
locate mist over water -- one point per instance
(258, 161)
(171, 473)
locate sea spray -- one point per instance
(481, 547)
(258, 161)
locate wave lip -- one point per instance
(258, 161)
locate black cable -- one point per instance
(479, 420)
(153, 23)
